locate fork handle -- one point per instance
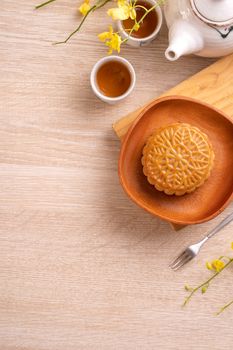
(220, 226)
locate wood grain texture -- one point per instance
(81, 267)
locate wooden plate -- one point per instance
(208, 200)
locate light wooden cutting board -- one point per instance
(213, 85)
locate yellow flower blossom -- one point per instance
(216, 265)
(124, 11)
(209, 266)
(85, 7)
(106, 35)
(114, 43)
(121, 3)
(111, 39)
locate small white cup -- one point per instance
(138, 42)
(94, 83)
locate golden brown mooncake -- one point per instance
(177, 158)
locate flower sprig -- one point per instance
(216, 266)
(125, 9)
(85, 9)
(111, 39)
(44, 4)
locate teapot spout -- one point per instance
(184, 39)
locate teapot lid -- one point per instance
(216, 12)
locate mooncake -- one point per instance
(177, 158)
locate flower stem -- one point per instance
(151, 9)
(206, 283)
(98, 5)
(77, 29)
(141, 7)
(44, 4)
(224, 307)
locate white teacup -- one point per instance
(138, 42)
(94, 83)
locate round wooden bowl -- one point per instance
(205, 202)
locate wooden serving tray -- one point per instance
(213, 85)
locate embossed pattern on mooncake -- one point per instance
(177, 158)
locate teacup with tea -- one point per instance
(112, 79)
(149, 27)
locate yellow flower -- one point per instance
(114, 43)
(132, 13)
(123, 11)
(85, 7)
(216, 265)
(117, 13)
(231, 245)
(209, 266)
(112, 40)
(121, 3)
(106, 35)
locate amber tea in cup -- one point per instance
(147, 26)
(113, 78)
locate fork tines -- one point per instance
(181, 260)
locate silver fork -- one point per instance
(190, 252)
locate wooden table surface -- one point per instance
(81, 267)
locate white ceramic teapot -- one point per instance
(201, 27)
